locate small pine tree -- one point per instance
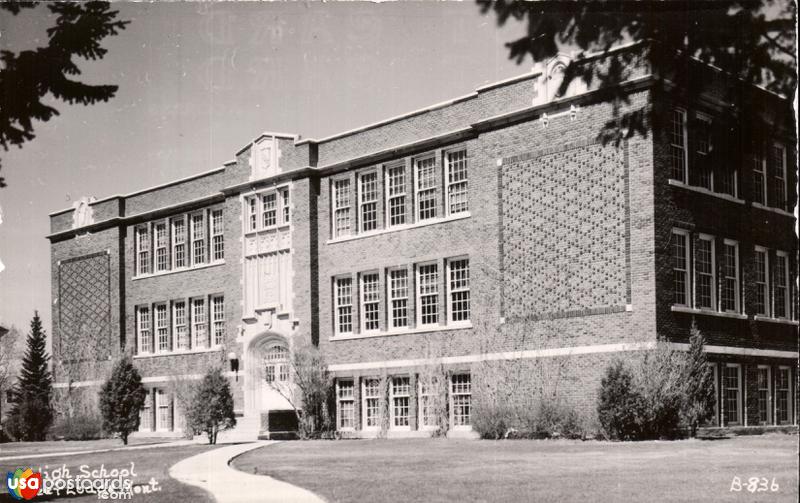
(619, 404)
(212, 410)
(121, 399)
(32, 412)
(699, 383)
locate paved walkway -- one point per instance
(211, 471)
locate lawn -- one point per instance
(148, 463)
(20, 448)
(434, 470)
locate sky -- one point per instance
(198, 81)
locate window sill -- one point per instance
(397, 228)
(178, 352)
(774, 210)
(267, 229)
(783, 321)
(701, 190)
(388, 333)
(691, 310)
(176, 271)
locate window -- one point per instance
(426, 188)
(762, 280)
(344, 305)
(162, 327)
(163, 419)
(461, 399)
(703, 167)
(731, 388)
(704, 272)
(285, 208)
(146, 414)
(781, 292)
(142, 250)
(143, 327)
(730, 277)
(345, 405)
(269, 211)
(277, 364)
(198, 239)
(456, 163)
(428, 294)
(777, 170)
(179, 324)
(763, 382)
(217, 237)
(372, 403)
(396, 194)
(783, 396)
(428, 386)
(252, 214)
(368, 205)
(459, 290)
(680, 271)
(401, 395)
(759, 178)
(398, 295)
(341, 207)
(678, 145)
(218, 319)
(199, 331)
(179, 242)
(370, 301)
(162, 258)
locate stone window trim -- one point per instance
(759, 166)
(764, 385)
(458, 287)
(426, 189)
(779, 178)
(735, 278)
(703, 148)
(781, 287)
(699, 274)
(371, 402)
(144, 329)
(173, 323)
(685, 270)
(256, 212)
(400, 397)
(396, 194)
(425, 392)
(398, 309)
(341, 193)
(679, 144)
(456, 179)
(345, 404)
(460, 401)
(369, 293)
(161, 328)
(368, 200)
(286, 205)
(763, 286)
(343, 313)
(427, 275)
(738, 390)
(178, 242)
(784, 387)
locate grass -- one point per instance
(22, 448)
(434, 470)
(148, 463)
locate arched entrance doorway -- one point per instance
(267, 374)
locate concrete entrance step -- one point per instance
(246, 430)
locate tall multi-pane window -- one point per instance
(370, 302)
(217, 237)
(703, 168)
(143, 326)
(218, 319)
(428, 294)
(680, 271)
(732, 396)
(344, 305)
(730, 277)
(761, 261)
(368, 201)
(461, 399)
(763, 383)
(162, 255)
(252, 213)
(286, 216)
(179, 325)
(759, 178)
(269, 210)
(142, 250)
(777, 171)
(427, 401)
(459, 290)
(704, 272)
(401, 396)
(678, 142)
(163, 422)
(199, 330)
(341, 208)
(146, 414)
(783, 395)
(162, 327)
(179, 242)
(781, 292)
(198, 239)
(396, 194)
(276, 364)
(372, 403)
(426, 188)
(398, 296)
(346, 404)
(457, 199)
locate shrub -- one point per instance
(121, 399)
(212, 410)
(79, 427)
(699, 384)
(618, 403)
(659, 381)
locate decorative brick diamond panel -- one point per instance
(85, 308)
(564, 232)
